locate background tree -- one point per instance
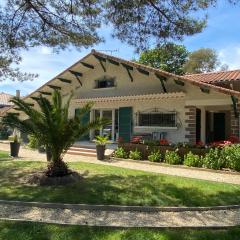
(169, 57)
(52, 127)
(63, 23)
(201, 61)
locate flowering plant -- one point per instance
(220, 143)
(233, 139)
(136, 139)
(163, 142)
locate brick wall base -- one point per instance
(235, 122)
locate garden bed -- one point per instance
(145, 149)
(215, 157)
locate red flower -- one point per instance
(136, 139)
(200, 143)
(233, 139)
(221, 143)
(163, 142)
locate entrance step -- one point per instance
(81, 150)
(88, 151)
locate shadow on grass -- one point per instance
(37, 231)
(141, 189)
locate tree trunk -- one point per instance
(57, 168)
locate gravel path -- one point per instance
(75, 216)
(27, 154)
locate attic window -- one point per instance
(105, 82)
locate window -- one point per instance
(157, 119)
(105, 82)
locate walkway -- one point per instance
(119, 216)
(234, 178)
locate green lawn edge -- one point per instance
(11, 230)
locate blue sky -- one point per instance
(221, 34)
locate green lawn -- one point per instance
(4, 155)
(112, 185)
(37, 231)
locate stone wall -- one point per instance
(190, 123)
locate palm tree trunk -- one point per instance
(57, 167)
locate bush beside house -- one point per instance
(215, 157)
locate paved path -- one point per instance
(27, 154)
(119, 217)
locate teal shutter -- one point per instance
(125, 123)
(85, 119)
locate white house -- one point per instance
(141, 100)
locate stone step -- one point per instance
(81, 153)
(89, 151)
(77, 145)
(81, 149)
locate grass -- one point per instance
(4, 155)
(39, 231)
(113, 185)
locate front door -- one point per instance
(219, 126)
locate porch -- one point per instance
(211, 123)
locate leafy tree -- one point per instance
(201, 61)
(169, 57)
(52, 127)
(62, 23)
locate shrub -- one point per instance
(33, 142)
(155, 156)
(172, 157)
(120, 153)
(151, 143)
(135, 155)
(231, 156)
(213, 159)
(4, 132)
(192, 160)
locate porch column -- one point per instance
(91, 119)
(101, 115)
(203, 125)
(113, 124)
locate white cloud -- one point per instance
(230, 56)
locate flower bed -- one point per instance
(146, 149)
(226, 156)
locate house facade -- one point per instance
(141, 100)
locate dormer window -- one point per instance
(105, 82)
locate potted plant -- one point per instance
(101, 142)
(14, 146)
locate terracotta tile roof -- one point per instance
(215, 77)
(5, 98)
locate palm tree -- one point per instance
(52, 127)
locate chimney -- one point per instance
(18, 93)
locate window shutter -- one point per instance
(125, 123)
(85, 119)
